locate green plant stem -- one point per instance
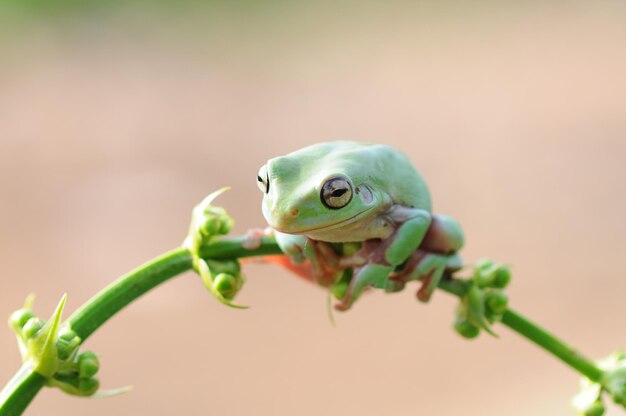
(549, 342)
(25, 385)
(127, 288)
(20, 391)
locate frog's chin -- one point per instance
(328, 227)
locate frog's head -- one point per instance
(306, 193)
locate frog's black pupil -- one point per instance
(338, 192)
(265, 182)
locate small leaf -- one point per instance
(43, 348)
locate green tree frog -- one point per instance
(345, 205)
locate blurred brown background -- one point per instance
(115, 120)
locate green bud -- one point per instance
(88, 386)
(596, 409)
(32, 326)
(614, 378)
(497, 301)
(67, 343)
(211, 226)
(502, 277)
(216, 221)
(466, 328)
(227, 225)
(67, 334)
(483, 278)
(484, 264)
(88, 364)
(490, 274)
(226, 284)
(19, 318)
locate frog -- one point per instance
(347, 205)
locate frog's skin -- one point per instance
(344, 192)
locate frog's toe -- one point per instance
(344, 305)
(252, 240)
(423, 294)
(352, 294)
(395, 286)
(432, 269)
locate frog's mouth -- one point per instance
(338, 224)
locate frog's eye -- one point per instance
(263, 179)
(336, 192)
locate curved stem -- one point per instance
(126, 289)
(552, 344)
(97, 310)
(20, 391)
(26, 383)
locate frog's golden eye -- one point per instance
(336, 192)
(263, 179)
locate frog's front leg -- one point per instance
(436, 255)
(384, 256)
(314, 260)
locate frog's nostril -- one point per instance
(294, 212)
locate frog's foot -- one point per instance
(253, 237)
(408, 272)
(325, 263)
(426, 267)
(372, 274)
(430, 270)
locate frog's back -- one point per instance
(382, 166)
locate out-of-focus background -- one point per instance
(116, 118)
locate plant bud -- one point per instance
(227, 225)
(466, 329)
(32, 327)
(484, 278)
(67, 343)
(211, 226)
(502, 277)
(20, 317)
(597, 409)
(497, 301)
(88, 364)
(226, 284)
(67, 334)
(484, 264)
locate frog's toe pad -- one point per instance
(342, 306)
